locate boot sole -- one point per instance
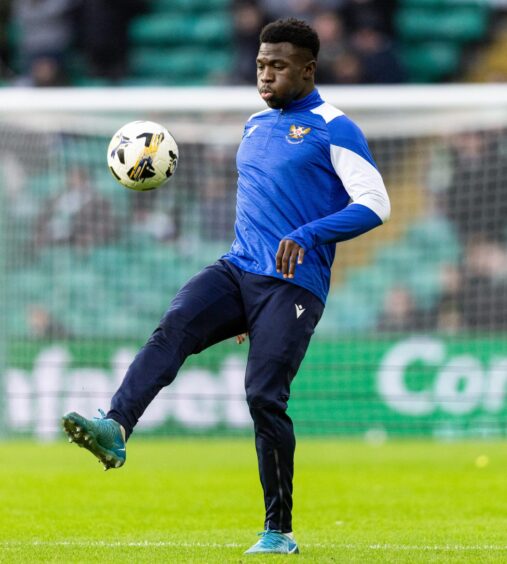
(78, 431)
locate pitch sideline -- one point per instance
(175, 544)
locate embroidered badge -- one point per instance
(297, 134)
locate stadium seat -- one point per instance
(91, 82)
(31, 282)
(430, 61)
(180, 46)
(441, 3)
(13, 34)
(137, 81)
(178, 62)
(167, 29)
(375, 279)
(44, 185)
(461, 24)
(438, 234)
(356, 304)
(189, 5)
(433, 34)
(425, 284)
(348, 312)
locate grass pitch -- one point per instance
(200, 501)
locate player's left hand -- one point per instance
(289, 253)
(240, 339)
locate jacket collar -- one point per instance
(309, 102)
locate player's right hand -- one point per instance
(288, 255)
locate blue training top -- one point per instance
(306, 174)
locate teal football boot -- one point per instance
(101, 436)
(274, 542)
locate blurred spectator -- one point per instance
(474, 295)
(355, 36)
(347, 68)
(472, 193)
(104, 35)
(447, 315)
(42, 324)
(46, 32)
(149, 218)
(248, 22)
(77, 216)
(329, 26)
(21, 203)
(379, 61)
(5, 13)
(304, 9)
(217, 202)
(483, 293)
(371, 13)
(46, 72)
(400, 313)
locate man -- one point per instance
(301, 162)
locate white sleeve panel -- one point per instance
(362, 181)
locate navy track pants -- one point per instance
(218, 303)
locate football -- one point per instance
(142, 155)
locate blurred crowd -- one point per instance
(464, 210)
(51, 33)
(465, 173)
(465, 181)
(357, 40)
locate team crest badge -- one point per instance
(297, 134)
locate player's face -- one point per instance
(285, 73)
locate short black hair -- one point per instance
(291, 30)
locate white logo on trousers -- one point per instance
(299, 310)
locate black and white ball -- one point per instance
(142, 155)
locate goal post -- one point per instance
(412, 341)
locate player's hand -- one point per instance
(240, 339)
(288, 255)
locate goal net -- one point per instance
(413, 339)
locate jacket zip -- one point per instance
(275, 125)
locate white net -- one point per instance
(413, 337)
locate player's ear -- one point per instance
(309, 69)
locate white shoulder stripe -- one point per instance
(327, 111)
(362, 181)
(259, 113)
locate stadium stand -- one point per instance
(189, 42)
(182, 42)
(193, 42)
(434, 34)
(357, 304)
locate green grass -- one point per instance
(200, 501)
